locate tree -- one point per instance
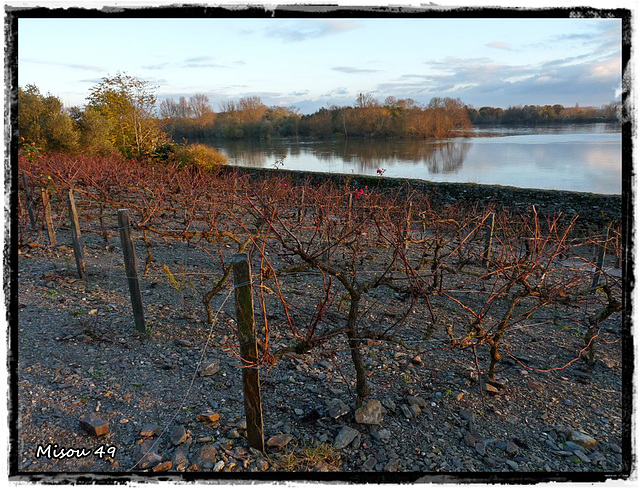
(129, 105)
(43, 121)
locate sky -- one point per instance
(312, 63)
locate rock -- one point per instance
(345, 437)
(233, 434)
(321, 466)
(369, 464)
(211, 369)
(582, 456)
(370, 413)
(165, 466)
(392, 466)
(406, 411)
(94, 425)
(262, 464)
(389, 404)
(382, 435)
(279, 441)
(206, 456)
(145, 455)
(615, 448)
(583, 440)
(337, 408)
(489, 388)
(512, 449)
(470, 439)
(208, 416)
(458, 395)
(218, 466)
(180, 459)
(480, 448)
(149, 430)
(467, 415)
(417, 400)
(512, 464)
(178, 435)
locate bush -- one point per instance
(200, 156)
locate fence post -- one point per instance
(32, 217)
(489, 240)
(78, 249)
(46, 204)
(248, 350)
(600, 260)
(131, 269)
(408, 236)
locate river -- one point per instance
(586, 158)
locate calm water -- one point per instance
(579, 158)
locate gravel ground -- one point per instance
(174, 403)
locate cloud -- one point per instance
(499, 45)
(351, 69)
(75, 66)
(311, 29)
(159, 66)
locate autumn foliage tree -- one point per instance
(128, 104)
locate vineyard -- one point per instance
(395, 332)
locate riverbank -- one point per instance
(591, 208)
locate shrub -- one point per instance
(200, 156)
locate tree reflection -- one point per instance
(363, 156)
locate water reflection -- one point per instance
(581, 158)
(361, 156)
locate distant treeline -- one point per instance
(250, 118)
(544, 114)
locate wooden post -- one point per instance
(300, 212)
(407, 238)
(131, 268)
(600, 260)
(78, 249)
(32, 217)
(248, 350)
(489, 240)
(47, 217)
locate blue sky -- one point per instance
(313, 63)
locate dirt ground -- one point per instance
(174, 402)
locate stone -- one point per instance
(262, 464)
(370, 413)
(392, 466)
(406, 411)
(145, 455)
(512, 464)
(582, 456)
(337, 408)
(512, 449)
(163, 466)
(279, 440)
(149, 430)
(369, 464)
(94, 425)
(211, 369)
(470, 439)
(206, 456)
(178, 435)
(480, 448)
(321, 466)
(382, 435)
(417, 400)
(583, 440)
(467, 415)
(345, 437)
(218, 466)
(489, 388)
(180, 459)
(208, 416)
(389, 404)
